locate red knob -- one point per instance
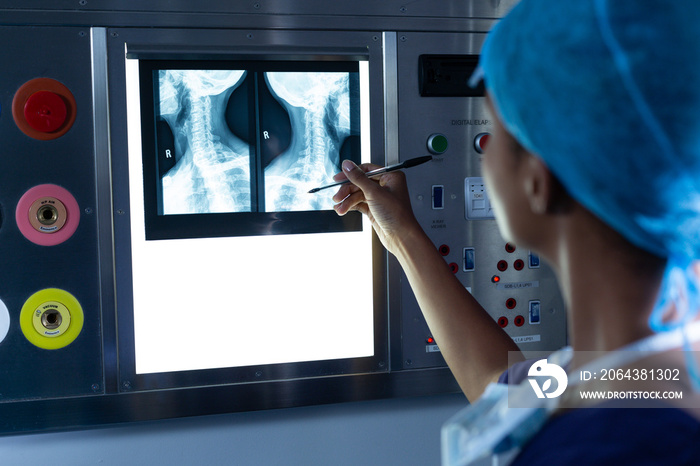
(45, 111)
(480, 142)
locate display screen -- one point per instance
(263, 300)
(249, 138)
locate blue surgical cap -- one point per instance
(607, 93)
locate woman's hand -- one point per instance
(455, 318)
(385, 201)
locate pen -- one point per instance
(380, 171)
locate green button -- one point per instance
(437, 143)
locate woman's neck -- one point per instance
(609, 285)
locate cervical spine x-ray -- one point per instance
(254, 139)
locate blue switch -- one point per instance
(534, 312)
(534, 260)
(438, 197)
(468, 259)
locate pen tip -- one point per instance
(311, 191)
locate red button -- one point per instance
(45, 111)
(480, 142)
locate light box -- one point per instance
(237, 271)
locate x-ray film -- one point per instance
(249, 138)
(318, 105)
(203, 167)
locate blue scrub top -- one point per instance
(618, 432)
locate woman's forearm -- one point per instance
(474, 346)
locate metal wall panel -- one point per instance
(28, 371)
(461, 120)
(82, 45)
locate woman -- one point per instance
(594, 163)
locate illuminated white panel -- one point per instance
(239, 301)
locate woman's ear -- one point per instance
(544, 192)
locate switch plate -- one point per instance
(438, 197)
(477, 204)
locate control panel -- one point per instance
(451, 202)
(50, 313)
